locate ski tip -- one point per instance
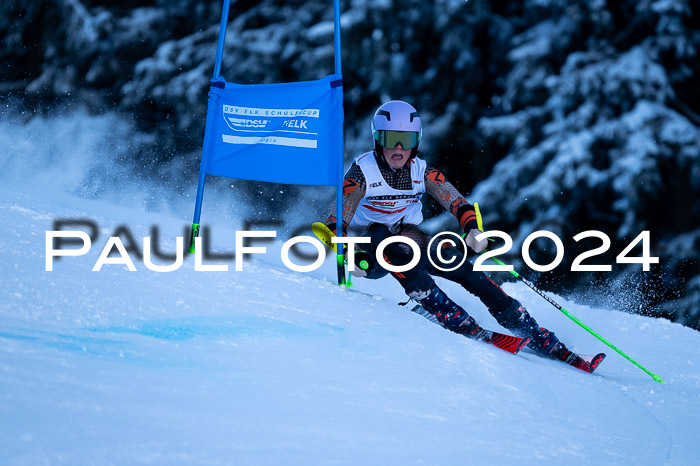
(596, 360)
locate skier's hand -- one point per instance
(363, 264)
(477, 246)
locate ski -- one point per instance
(509, 343)
(584, 362)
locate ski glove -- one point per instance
(477, 246)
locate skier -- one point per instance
(381, 197)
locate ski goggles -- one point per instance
(390, 139)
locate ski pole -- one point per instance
(326, 236)
(564, 311)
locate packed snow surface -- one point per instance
(270, 366)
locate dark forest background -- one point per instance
(563, 115)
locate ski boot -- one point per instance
(516, 319)
(449, 313)
(542, 341)
(545, 342)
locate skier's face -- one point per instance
(396, 157)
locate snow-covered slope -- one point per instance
(269, 366)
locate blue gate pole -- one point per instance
(222, 38)
(211, 107)
(336, 35)
(340, 257)
(211, 104)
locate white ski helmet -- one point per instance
(397, 122)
